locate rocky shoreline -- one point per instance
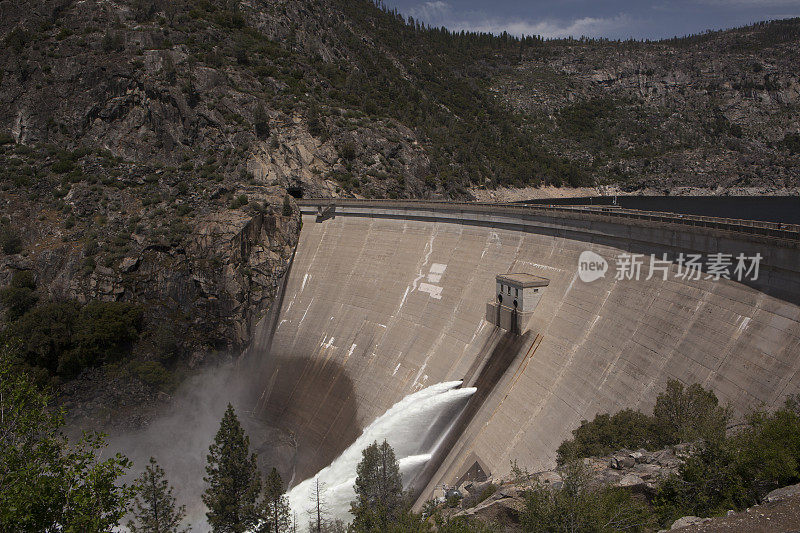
(504, 194)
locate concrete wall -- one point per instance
(383, 300)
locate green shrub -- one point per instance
(17, 301)
(23, 279)
(456, 524)
(688, 414)
(608, 433)
(104, 329)
(737, 471)
(239, 201)
(581, 507)
(17, 39)
(453, 500)
(347, 152)
(680, 415)
(154, 374)
(45, 333)
(6, 138)
(91, 248)
(791, 143)
(10, 241)
(65, 338)
(63, 166)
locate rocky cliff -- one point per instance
(329, 97)
(202, 259)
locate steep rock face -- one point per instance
(331, 97)
(149, 89)
(210, 270)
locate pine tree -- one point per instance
(318, 512)
(154, 508)
(275, 511)
(233, 479)
(379, 489)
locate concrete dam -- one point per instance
(386, 298)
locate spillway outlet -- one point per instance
(518, 294)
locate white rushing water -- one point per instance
(414, 427)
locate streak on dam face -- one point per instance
(363, 334)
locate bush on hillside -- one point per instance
(19, 296)
(688, 414)
(154, 374)
(17, 301)
(10, 241)
(580, 506)
(791, 142)
(64, 338)
(736, 472)
(680, 415)
(608, 433)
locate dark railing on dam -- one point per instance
(750, 227)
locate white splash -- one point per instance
(414, 427)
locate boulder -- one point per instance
(631, 480)
(503, 511)
(129, 264)
(782, 493)
(686, 521)
(618, 462)
(550, 478)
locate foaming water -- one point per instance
(414, 427)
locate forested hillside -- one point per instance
(342, 97)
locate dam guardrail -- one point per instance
(778, 230)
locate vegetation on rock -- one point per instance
(680, 415)
(737, 471)
(46, 482)
(579, 507)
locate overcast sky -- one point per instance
(618, 19)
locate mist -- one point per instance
(179, 439)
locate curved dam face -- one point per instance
(385, 299)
